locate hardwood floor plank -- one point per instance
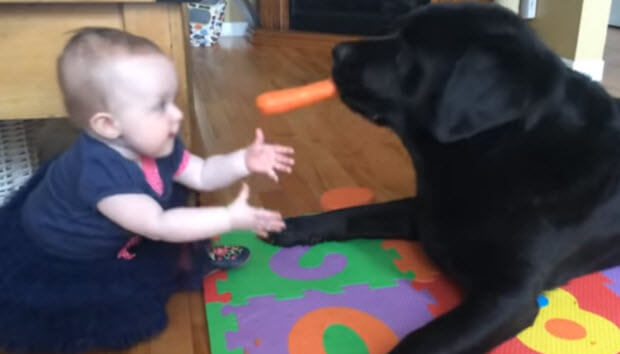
(177, 338)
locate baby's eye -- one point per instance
(161, 106)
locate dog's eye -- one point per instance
(404, 62)
(407, 71)
(399, 58)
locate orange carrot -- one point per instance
(280, 101)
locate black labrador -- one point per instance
(517, 158)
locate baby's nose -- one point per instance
(176, 114)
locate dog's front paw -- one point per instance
(302, 230)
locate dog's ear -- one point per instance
(483, 92)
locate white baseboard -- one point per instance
(592, 68)
(234, 29)
(509, 4)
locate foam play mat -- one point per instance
(362, 296)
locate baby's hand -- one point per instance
(267, 158)
(246, 217)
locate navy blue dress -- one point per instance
(62, 287)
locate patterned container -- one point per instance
(205, 22)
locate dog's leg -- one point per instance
(395, 219)
(480, 323)
(592, 258)
(609, 261)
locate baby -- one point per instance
(99, 238)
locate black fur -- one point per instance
(517, 158)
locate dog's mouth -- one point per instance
(353, 94)
(362, 107)
(360, 103)
(378, 119)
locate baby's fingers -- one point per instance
(266, 229)
(274, 176)
(284, 150)
(269, 220)
(283, 168)
(267, 216)
(285, 160)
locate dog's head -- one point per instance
(450, 71)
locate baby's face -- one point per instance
(141, 93)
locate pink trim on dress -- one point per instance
(153, 178)
(124, 252)
(183, 164)
(151, 173)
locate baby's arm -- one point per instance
(221, 170)
(142, 215)
(214, 172)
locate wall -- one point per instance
(511, 4)
(575, 29)
(233, 13)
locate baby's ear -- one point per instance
(104, 125)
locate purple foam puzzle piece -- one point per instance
(281, 262)
(614, 275)
(264, 324)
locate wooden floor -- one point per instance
(333, 148)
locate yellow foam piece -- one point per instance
(562, 327)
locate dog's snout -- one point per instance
(341, 51)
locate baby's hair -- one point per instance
(79, 68)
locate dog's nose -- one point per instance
(341, 51)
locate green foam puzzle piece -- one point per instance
(218, 326)
(340, 339)
(367, 263)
